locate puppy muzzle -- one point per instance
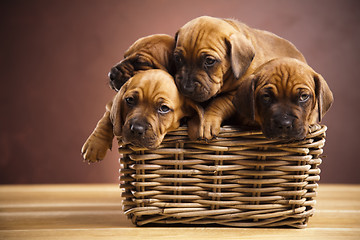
(284, 127)
(119, 74)
(192, 88)
(140, 133)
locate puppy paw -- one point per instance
(210, 128)
(94, 149)
(205, 130)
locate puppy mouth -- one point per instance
(201, 95)
(149, 144)
(293, 135)
(194, 90)
(285, 137)
(148, 139)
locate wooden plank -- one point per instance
(185, 233)
(338, 196)
(45, 194)
(72, 217)
(94, 211)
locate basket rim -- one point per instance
(228, 132)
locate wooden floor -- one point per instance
(94, 212)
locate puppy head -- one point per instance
(284, 96)
(147, 107)
(209, 51)
(151, 52)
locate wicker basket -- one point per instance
(241, 179)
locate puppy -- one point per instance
(213, 55)
(283, 97)
(147, 106)
(151, 52)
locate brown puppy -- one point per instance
(283, 97)
(147, 106)
(212, 55)
(151, 52)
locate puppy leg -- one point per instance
(100, 140)
(219, 109)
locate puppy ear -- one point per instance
(324, 95)
(176, 37)
(116, 111)
(242, 53)
(244, 99)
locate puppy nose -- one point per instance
(137, 129)
(113, 73)
(189, 86)
(284, 123)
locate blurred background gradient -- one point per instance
(55, 56)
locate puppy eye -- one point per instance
(141, 61)
(164, 109)
(209, 61)
(178, 59)
(266, 98)
(130, 101)
(304, 97)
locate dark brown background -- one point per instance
(55, 56)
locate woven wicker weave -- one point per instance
(241, 179)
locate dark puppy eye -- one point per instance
(164, 109)
(304, 97)
(209, 61)
(141, 61)
(130, 101)
(178, 59)
(266, 98)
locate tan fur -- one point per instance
(150, 91)
(283, 82)
(238, 50)
(150, 52)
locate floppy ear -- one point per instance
(324, 95)
(176, 37)
(116, 111)
(159, 64)
(244, 99)
(242, 53)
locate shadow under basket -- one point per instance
(241, 179)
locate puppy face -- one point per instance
(208, 51)
(146, 108)
(284, 97)
(151, 52)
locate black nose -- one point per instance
(283, 123)
(137, 129)
(189, 87)
(185, 83)
(113, 73)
